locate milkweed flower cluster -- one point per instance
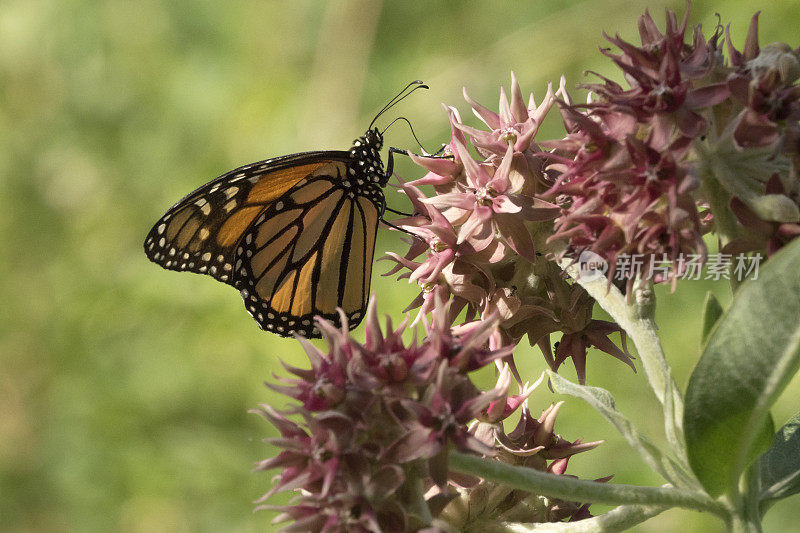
(693, 144)
(481, 240)
(367, 444)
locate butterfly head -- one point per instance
(374, 137)
(366, 157)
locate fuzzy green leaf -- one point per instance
(749, 358)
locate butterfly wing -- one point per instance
(308, 254)
(291, 233)
(200, 232)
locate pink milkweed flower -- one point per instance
(491, 205)
(764, 83)
(759, 234)
(367, 505)
(532, 444)
(397, 410)
(434, 230)
(662, 74)
(488, 427)
(437, 420)
(536, 437)
(575, 344)
(567, 308)
(505, 406)
(482, 219)
(515, 125)
(464, 346)
(626, 196)
(456, 287)
(445, 170)
(311, 458)
(392, 402)
(320, 387)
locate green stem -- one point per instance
(637, 321)
(744, 522)
(747, 516)
(709, 166)
(719, 200)
(740, 524)
(617, 519)
(569, 488)
(416, 493)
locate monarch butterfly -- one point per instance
(294, 234)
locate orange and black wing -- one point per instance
(200, 232)
(290, 233)
(307, 254)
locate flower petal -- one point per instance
(504, 204)
(516, 235)
(490, 118)
(480, 216)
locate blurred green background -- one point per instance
(124, 388)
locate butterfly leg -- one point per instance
(389, 170)
(398, 228)
(396, 212)
(393, 150)
(390, 162)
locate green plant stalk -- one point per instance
(416, 495)
(709, 165)
(746, 517)
(637, 321)
(719, 200)
(741, 525)
(751, 488)
(617, 519)
(568, 488)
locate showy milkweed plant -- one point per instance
(688, 168)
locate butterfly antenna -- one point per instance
(414, 85)
(409, 127)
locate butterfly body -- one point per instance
(294, 234)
